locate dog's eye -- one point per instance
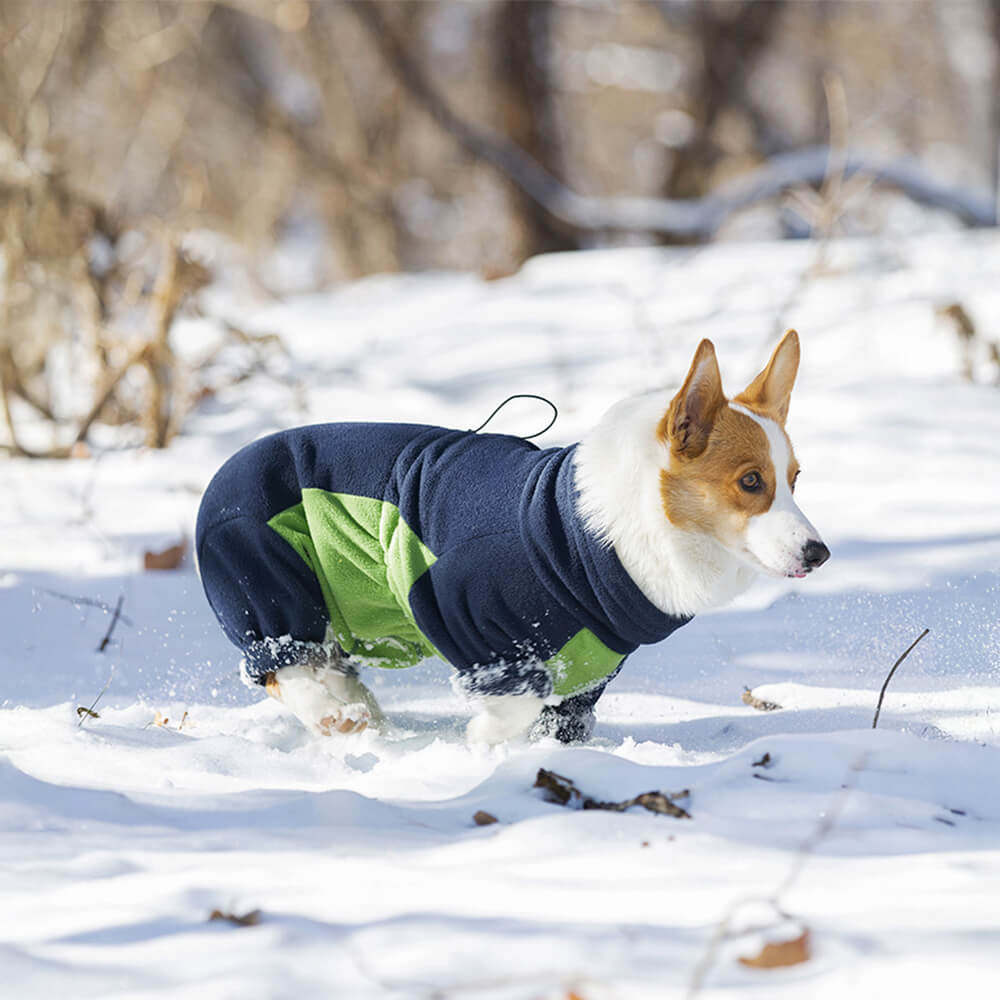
(795, 479)
(752, 482)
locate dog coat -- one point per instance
(400, 542)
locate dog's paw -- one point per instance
(328, 703)
(348, 720)
(503, 717)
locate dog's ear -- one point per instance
(688, 421)
(771, 390)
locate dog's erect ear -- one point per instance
(771, 390)
(688, 421)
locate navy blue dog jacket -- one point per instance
(401, 541)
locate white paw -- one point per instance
(326, 701)
(503, 717)
(347, 720)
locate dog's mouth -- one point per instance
(799, 572)
(759, 565)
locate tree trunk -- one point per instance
(528, 114)
(731, 37)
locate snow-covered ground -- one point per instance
(119, 836)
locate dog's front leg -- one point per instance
(327, 700)
(502, 717)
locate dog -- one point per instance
(534, 573)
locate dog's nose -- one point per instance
(814, 554)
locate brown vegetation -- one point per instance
(389, 135)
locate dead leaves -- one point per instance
(749, 698)
(249, 919)
(780, 954)
(564, 792)
(169, 558)
(164, 722)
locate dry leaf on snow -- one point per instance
(250, 919)
(169, 558)
(778, 954)
(761, 704)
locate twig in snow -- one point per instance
(565, 793)
(90, 602)
(114, 621)
(89, 713)
(881, 694)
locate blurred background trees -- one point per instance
(330, 140)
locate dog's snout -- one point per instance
(815, 553)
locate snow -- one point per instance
(119, 836)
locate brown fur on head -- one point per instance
(721, 471)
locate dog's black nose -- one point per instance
(815, 554)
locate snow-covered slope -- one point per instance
(119, 836)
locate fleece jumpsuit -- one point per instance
(400, 542)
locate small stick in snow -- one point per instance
(89, 713)
(881, 694)
(89, 602)
(114, 621)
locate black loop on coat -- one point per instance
(523, 395)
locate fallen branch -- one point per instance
(881, 694)
(694, 218)
(564, 792)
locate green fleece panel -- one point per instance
(365, 548)
(375, 558)
(582, 662)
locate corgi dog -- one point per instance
(533, 572)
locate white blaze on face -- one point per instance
(777, 538)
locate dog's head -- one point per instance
(732, 469)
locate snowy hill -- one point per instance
(119, 835)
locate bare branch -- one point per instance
(694, 218)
